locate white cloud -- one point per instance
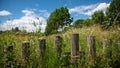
(101, 6)
(4, 13)
(26, 22)
(27, 12)
(44, 13)
(89, 9)
(82, 9)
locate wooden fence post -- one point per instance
(26, 50)
(91, 45)
(8, 49)
(104, 42)
(41, 47)
(107, 43)
(58, 45)
(8, 56)
(74, 47)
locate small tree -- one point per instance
(87, 22)
(98, 17)
(78, 23)
(16, 29)
(58, 19)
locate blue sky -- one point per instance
(13, 13)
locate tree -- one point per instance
(113, 12)
(98, 17)
(87, 22)
(78, 23)
(16, 29)
(58, 19)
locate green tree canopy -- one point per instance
(113, 12)
(98, 17)
(78, 23)
(57, 19)
(87, 22)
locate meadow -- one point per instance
(51, 60)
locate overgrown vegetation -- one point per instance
(51, 59)
(110, 18)
(58, 20)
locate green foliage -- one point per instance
(78, 23)
(16, 29)
(57, 19)
(87, 22)
(113, 12)
(98, 17)
(51, 60)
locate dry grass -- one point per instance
(16, 40)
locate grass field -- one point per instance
(51, 60)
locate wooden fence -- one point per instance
(91, 44)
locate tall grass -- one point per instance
(51, 60)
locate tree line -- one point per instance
(60, 18)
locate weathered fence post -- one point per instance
(104, 42)
(58, 45)
(41, 47)
(8, 56)
(42, 51)
(91, 45)
(8, 49)
(107, 43)
(26, 51)
(74, 47)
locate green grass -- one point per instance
(51, 60)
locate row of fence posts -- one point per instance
(58, 49)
